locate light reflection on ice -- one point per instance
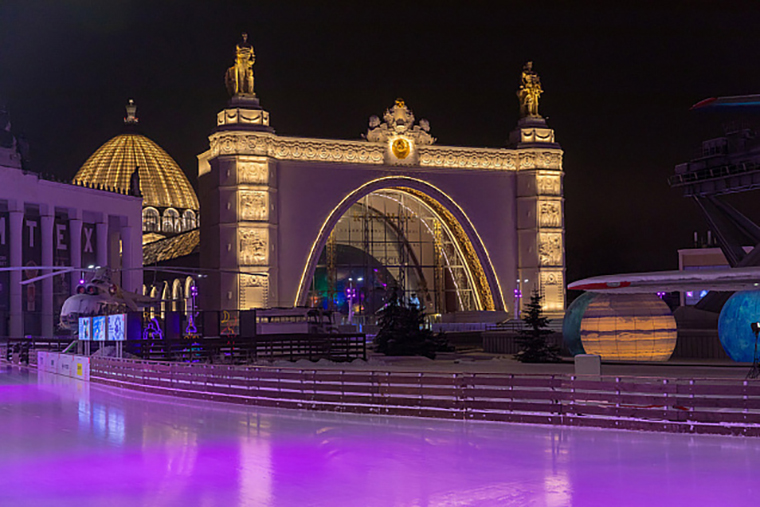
(134, 449)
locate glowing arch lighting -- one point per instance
(623, 327)
(379, 184)
(736, 335)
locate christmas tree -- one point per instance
(532, 339)
(401, 330)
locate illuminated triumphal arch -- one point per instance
(336, 223)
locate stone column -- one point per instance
(541, 235)
(239, 227)
(102, 233)
(540, 215)
(16, 329)
(47, 283)
(131, 279)
(75, 228)
(256, 217)
(243, 235)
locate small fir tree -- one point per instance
(401, 330)
(390, 325)
(533, 346)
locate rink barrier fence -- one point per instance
(706, 406)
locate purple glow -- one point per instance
(137, 449)
(153, 330)
(661, 295)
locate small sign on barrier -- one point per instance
(64, 364)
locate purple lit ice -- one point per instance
(69, 443)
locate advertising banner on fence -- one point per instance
(64, 365)
(68, 365)
(81, 367)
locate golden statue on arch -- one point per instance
(239, 77)
(529, 92)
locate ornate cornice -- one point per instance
(490, 158)
(362, 152)
(293, 148)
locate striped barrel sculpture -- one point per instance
(621, 327)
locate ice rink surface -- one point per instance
(65, 442)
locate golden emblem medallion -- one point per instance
(401, 148)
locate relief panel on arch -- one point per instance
(550, 249)
(553, 288)
(253, 247)
(549, 184)
(252, 170)
(549, 213)
(253, 205)
(254, 290)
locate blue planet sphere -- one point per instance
(571, 326)
(734, 325)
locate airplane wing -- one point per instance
(734, 101)
(728, 279)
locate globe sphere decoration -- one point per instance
(629, 327)
(734, 325)
(571, 325)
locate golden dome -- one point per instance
(162, 182)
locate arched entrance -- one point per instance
(398, 232)
(460, 228)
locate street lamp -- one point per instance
(350, 295)
(518, 296)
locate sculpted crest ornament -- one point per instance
(399, 121)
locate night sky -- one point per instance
(618, 83)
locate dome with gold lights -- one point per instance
(170, 204)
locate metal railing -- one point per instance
(678, 180)
(721, 406)
(242, 350)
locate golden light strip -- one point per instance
(430, 231)
(360, 192)
(464, 246)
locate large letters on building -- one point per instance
(89, 244)
(61, 257)
(31, 255)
